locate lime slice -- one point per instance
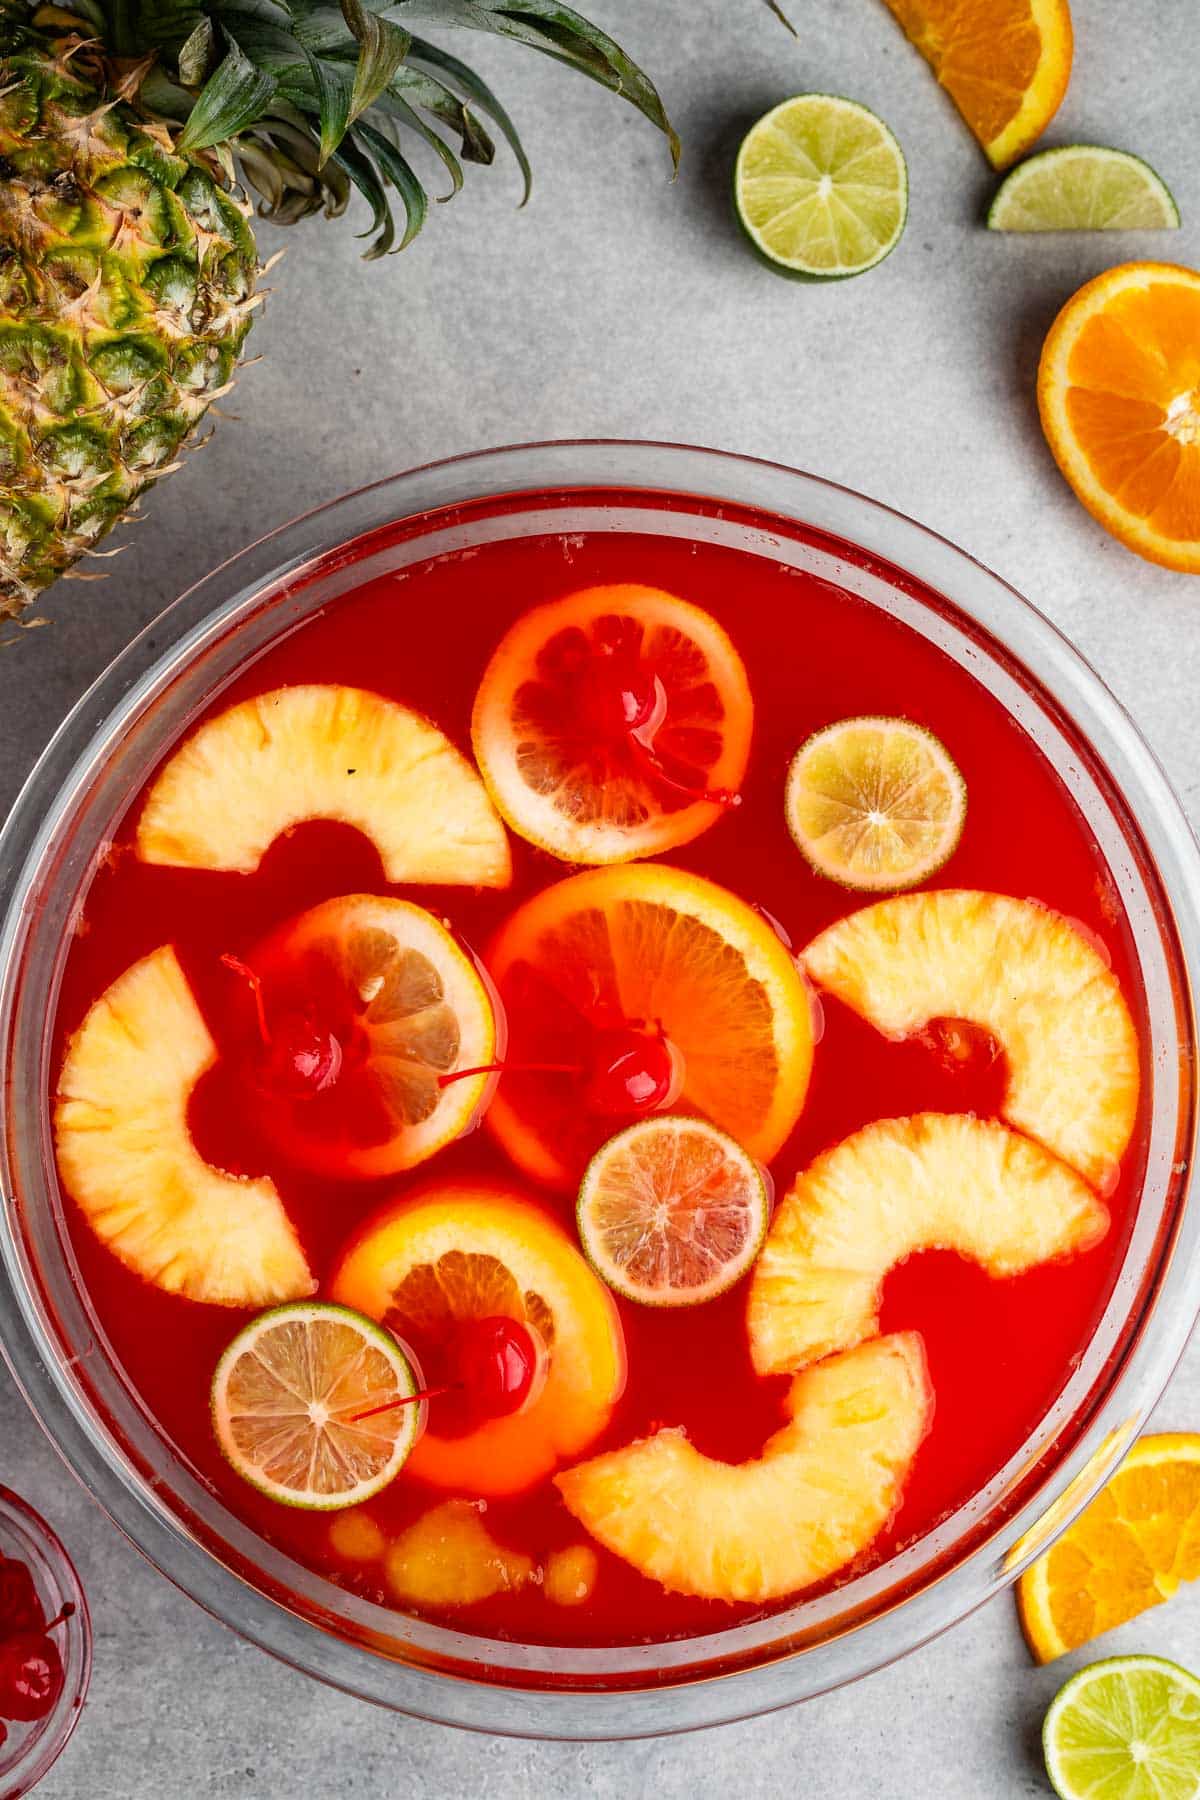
(1083, 187)
(672, 1212)
(820, 187)
(876, 804)
(288, 1400)
(1127, 1728)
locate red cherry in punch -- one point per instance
(31, 1672)
(498, 1364)
(298, 1057)
(631, 1070)
(20, 1608)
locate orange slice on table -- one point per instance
(666, 948)
(1119, 396)
(473, 1250)
(1129, 1550)
(1004, 63)
(405, 1004)
(550, 735)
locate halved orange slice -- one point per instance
(1004, 63)
(1129, 1550)
(674, 953)
(471, 1250)
(613, 723)
(397, 1004)
(1119, 395)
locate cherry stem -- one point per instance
(644, 750)
(505, 1068)
(255, 982)
(61, 1617)
(429, 1393)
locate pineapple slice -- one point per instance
(450, 1558)
(324, 752)
(823, 1488)
(126, 1155)
(1022, 972)
(939, 1181)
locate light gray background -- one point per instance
(618, 304)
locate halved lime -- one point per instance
(1083, 187)
(296, 1406)
(672, 1211)
(821, 188)
(875, 803)
(1127, 1728)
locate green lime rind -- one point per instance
(408, 1382)
(1083, 187)
(820, 188)
(1125, 1728)
(921, 871)
(612, 1274)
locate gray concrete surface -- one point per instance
(619, 304)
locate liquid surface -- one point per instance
(999, 1351)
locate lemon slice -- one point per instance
(1125, 1729)
(672, 1212)
(821, 188)
(1083, 187)
(290, 1400)
(876, 804)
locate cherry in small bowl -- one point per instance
(45, 1646)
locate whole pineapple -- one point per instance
(131, 132)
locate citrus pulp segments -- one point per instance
(1004, 63)
(126, 1155)
(1083, 187)
(351, 936)
(1022, 972)
(1117, 386)
(1128, 1550)
(672, 1212)
(1127, 1728)
(285, 1398)
(586, 1373)
(876, 804)
(823, 1488)
(821, 188)
(650, 942)
(318, 751)
(712, 698)
(937, 1181)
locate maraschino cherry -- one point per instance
(20, 1608)
(623, 701)
(497, 1364)
(298, 1058)
(631, 1070)
(31, 1672)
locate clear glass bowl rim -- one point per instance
(712, 477)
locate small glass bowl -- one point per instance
(28, 1751)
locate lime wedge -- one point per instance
(1127, 1728)
(1083, 187)
(672, 1212)
(874, 803)
(302, 1405)
(820, 187)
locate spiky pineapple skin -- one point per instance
(127, 286)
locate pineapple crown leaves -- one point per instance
(311, 100)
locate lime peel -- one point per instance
(1083, 187)
(876, 804)
(672, 1211)
(1124, 1728)
(295, 1387)
(820, 188)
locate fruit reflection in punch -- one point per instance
(574, 1376)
